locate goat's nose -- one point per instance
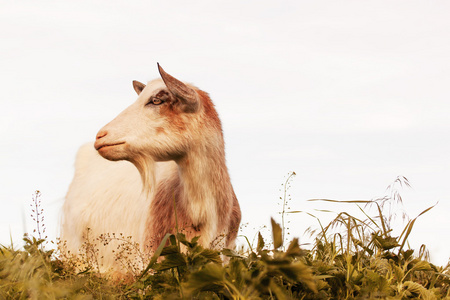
(101, 134)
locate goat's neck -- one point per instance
(205, 182)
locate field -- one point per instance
(351, 258)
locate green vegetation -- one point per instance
(351, 258)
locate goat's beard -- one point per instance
(146, 168)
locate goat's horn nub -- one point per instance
(180, 90)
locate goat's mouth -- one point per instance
(98, 147)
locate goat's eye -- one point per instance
(155, 101)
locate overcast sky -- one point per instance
(348, 94)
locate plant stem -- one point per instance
(284, 204)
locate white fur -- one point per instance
(106, 197)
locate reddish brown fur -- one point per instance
(162, 213)
(210, 112)
(170, 192)
(160, 130)
(173, 114)
(235, 220)
(170, 210)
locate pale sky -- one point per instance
(347, 94)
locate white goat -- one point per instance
(173, 138)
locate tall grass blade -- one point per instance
(409, 227)
(368, 217)
(342, 201)
(155, 255)
(383, 224)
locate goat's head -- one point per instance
(167, 119)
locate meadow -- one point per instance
(350, 258)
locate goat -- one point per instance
(168, 153)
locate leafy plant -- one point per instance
(351, 258)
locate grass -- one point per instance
(351, 258)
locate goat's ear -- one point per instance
(187, 96)
(138, 86)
